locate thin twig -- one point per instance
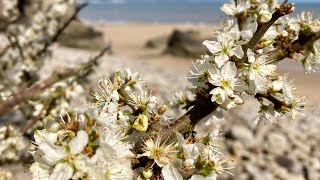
(295, 46)
(278, 104)
(37, 118)
(62, 28)
(39, 86)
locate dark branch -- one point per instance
(296, 46)
(38, 87)
(278, 104)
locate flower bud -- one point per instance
(147, 173)
(188, 162)
(88, 150)
(285, 33)
(277, 85)
(156, 117)
(162, 109)
(140, 178)
(117, 77)
(264, 16)
(141, 123)
(238, 100)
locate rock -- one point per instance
(285, 162)
(158, 42)
(80, 35)
(243, 134)
(276, 143)
(256, 173)
(237, 149)
(185, 44)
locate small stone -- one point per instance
(276, 143)
(243, 134)
(285, 161)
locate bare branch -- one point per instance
(38, 87)
(295, 46)
(278, 104)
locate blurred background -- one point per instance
(160, 38)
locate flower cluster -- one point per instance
(9, 10)
(24, 49)
(232, 70)
(95, 142)
(198, 155)
(305, 31)
(295, 38)
(12, 144)
(25, 52)
(258, 10)
(5, 174)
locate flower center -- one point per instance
(157, 152)
(225, 50)
(225, 83)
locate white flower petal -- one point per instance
(39, 171)
(171, 173)
(62, 171)
(213, 46)
(237, 51)
(52, 152)
(212, 176)
(221, 59)
(229, 70)
(229, 9)
(78, 143)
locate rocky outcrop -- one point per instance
(80, 35)
(157, 43)
(185, 44)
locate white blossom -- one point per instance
(236, 7)
(199, 71)
(224, 48)
(160, 152)
(264, 16)
(226, 82)
(260, 70)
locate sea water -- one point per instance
(192, 12)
